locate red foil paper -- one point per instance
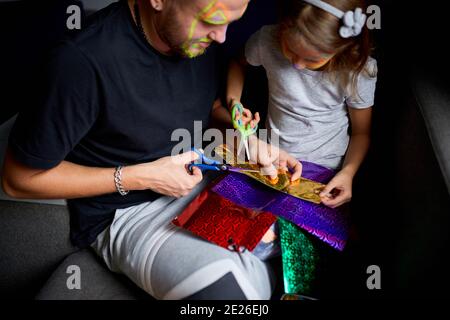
(224, 223)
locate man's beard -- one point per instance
(194, 48)
(170, 34)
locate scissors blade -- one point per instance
(233, 169)
(241, 145)
(247, 151)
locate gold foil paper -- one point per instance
(304, 189)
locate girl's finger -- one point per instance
(264, 157)
(247, 113)
(340, 199)
(326, 192)
(332, 203)
(296, 166)
(283, 164)
(257, 117)
(270, 171)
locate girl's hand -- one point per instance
(270, 157)
(247, 117)
(338, 191)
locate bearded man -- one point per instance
(100, 137)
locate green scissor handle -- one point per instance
(245, 130)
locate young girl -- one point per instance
(321, 86)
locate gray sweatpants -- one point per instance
(171, 263)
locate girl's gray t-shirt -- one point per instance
(308, 109)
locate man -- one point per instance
(101, 137)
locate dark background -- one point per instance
(401, 204)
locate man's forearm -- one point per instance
(65, 181)
(166, 176)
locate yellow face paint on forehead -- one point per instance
(216, 15)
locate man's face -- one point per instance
(189, 27)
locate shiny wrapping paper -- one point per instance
(303, 188)
(300, 216)
(329, 225)
(224, 223)
(300, 259)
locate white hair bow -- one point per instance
(353, 20)
(353, 23)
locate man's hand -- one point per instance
(167, 176)
(338, 191)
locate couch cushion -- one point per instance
(97, 282)
(34, 239)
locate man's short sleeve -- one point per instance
(366, 87)
(65, 110)
(253, 50)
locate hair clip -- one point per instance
(353, 23)
(353, 20)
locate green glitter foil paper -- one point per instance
(299, 257)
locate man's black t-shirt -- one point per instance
(111, 99)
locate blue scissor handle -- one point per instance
(203, 158)
(203, 167)
(205, 162)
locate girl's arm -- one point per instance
(339, 190)
(220, 115)
(235, 86)
(360, 120)
(235, 81)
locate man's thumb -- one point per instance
(186, 157)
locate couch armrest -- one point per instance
(419, 218)
(432, 96)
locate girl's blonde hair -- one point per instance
(320, 29)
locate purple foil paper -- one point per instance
(329, 225)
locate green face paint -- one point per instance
(214, 14)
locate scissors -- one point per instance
(244, 130)
(213, 165)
